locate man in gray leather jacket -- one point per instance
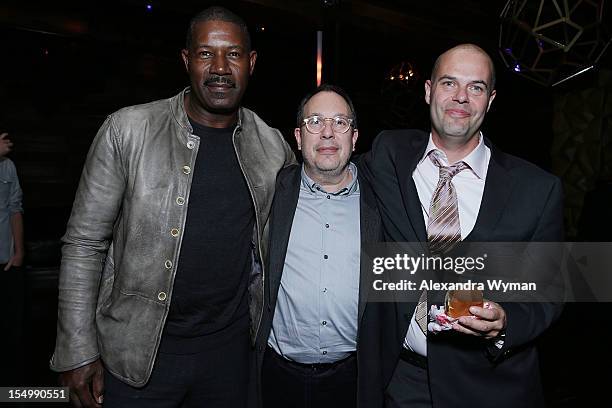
(161, 278)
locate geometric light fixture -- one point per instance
(551, 41)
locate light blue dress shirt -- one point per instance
(315, 320)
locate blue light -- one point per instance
(517, 68)
(149, 7)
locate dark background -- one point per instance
(65, 65)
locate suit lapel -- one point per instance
(283, 211)
(370, 229)
(498, 187)
(414, 212)
(405, 168)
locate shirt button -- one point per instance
(324, 351)
(174, 232)
(325, 256)
(162, 296)
(326, 225)
(180, 200)
(190, 144)
(168, 264)
(324, 290)
(328, 197)
(324, 323)
(186, 169)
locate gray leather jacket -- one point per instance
(124, 235)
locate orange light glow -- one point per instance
(319, 57)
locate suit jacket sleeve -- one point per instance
(527, 321)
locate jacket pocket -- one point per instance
(128, 330)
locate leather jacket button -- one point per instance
(190, 144)
(180, 200)
(162, 296)
(174, 232)
(186, 169)
(168, 264)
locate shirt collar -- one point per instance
(314, 187)
(477, 159)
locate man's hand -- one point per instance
(16, 260)
(5, 144)
(489, 321)
(86, 385)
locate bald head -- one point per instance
(466, 49)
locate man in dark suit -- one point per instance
(490, 361)
(322, 212)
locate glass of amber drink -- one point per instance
(457, 302)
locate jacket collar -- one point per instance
(177, 106)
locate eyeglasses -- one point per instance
(339, 124)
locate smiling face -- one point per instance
(219, 65)
(326, 154)
(460, 94)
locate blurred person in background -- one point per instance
(12, 278)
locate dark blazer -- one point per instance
(281, 219)
(520, 203)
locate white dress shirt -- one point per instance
(469, 186)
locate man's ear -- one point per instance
(185, 56)
(491, 97)
(298, 138)
(355, 136)
(427, 91)
(252, 59)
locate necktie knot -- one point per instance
(447, 172)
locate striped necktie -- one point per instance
(443, 228)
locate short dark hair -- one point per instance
(326, 88)
(468, 46)
(217, 13)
